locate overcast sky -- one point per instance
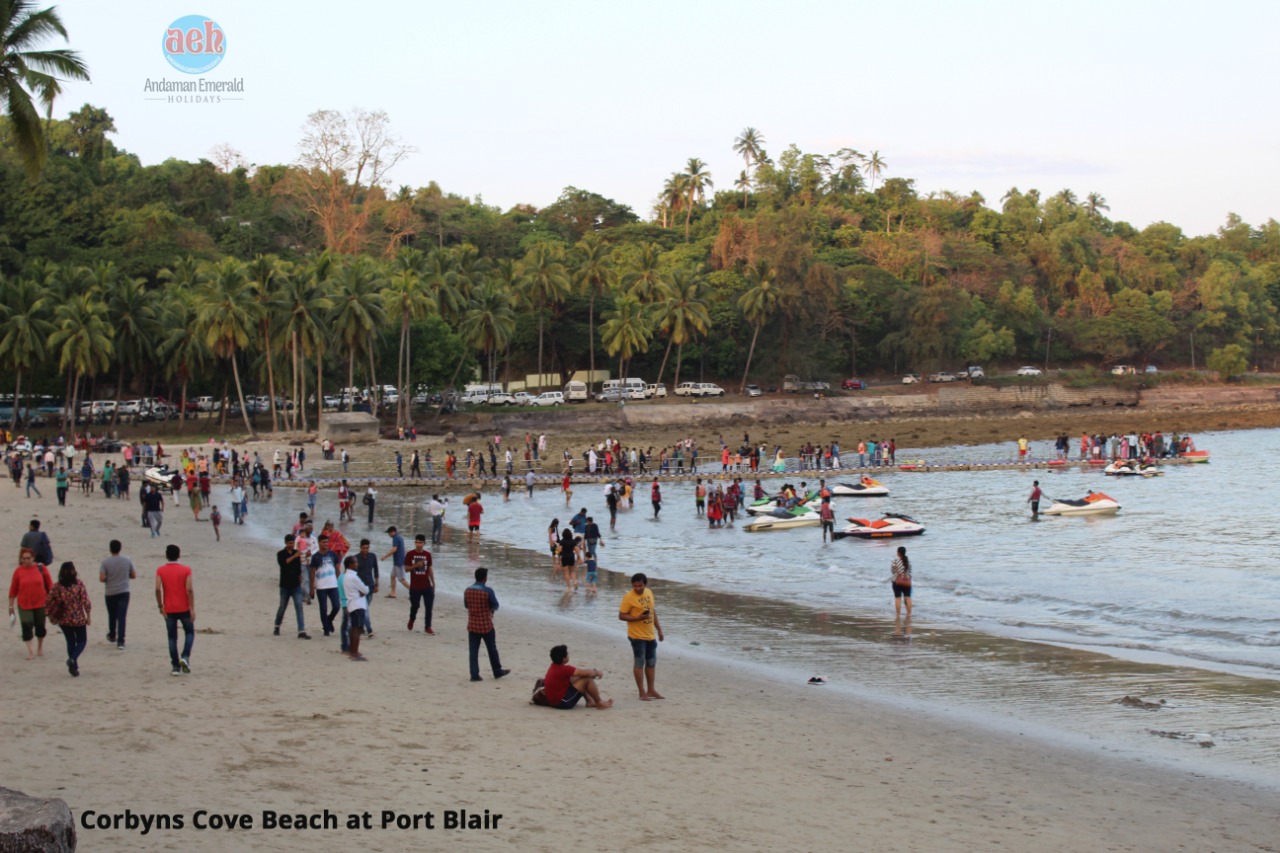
(1167, 109)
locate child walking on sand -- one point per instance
(216, 518)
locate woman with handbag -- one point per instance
(29, 589)
(68, 607)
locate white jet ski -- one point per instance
(864, 488)
(892, 524)
(1094, 503)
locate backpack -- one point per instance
(44, 553)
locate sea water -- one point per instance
(1047, 622)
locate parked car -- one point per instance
(612, 395)
(522, 398)
(911, 379)
(793, 384)
(1122, 370)
(853, 384)
(710, 389)
(943, 376)
(975, 372)
(549, 398)
(1028, 370)
(754, 391)
(654, 389)
(1151, 368)
(686, 389)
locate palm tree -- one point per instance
(136, 323)
(646, 282)
(750, 144)
(406, 297)
(305, 328)
(757, 305)
(592, 274)
(1094, 203)
(23, 68)
(672, 198)
(225, 315)
(490, 320)
(627, 330)
(82, 337)
(266, 282)
(182, 352)
(443, 285)
(743, 183)
(358, 311)
(697, 182)
(545, 281)
(682, 315)
(874, 165)
(24, 328)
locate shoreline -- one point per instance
(730, 758)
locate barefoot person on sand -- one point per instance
(641, 615)
(901, 582)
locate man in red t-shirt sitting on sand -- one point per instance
(566, 684)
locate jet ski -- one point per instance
(1094, 503)
(764, 506)
(864, 488)
(160, 475)
(781, 519)
(1132, 468)
(892, 524)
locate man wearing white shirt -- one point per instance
(436, 509)
(355, 590)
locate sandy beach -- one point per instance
(730, 759)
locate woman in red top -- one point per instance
(28, 590)
(68, 607)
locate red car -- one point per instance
(853, 385)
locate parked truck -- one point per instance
(792, 384)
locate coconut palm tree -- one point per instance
(489, 321)
(27, 73)
(758, 305)
(24, 329)
(305, 324)
(444, 285)
(545, 282)
(82, 337)
(874, 165)
(357, 311)
(1094, 203)
(182, 352)
(672, 199)
(134, 316)
(682, 315)
(697, 182)
(266, 282)
(592, 274)
(225, 317)
(646, 281)
(750, 144)
(627, 331)
(406, 297)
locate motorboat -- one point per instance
(782, 519)
(864, 488)
(1194, 456)
(1094, 503)
(765, 506)
(160, 475)
(892, 524)
(1132, 468)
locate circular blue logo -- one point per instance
(194, 44)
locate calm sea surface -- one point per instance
(1037, 625)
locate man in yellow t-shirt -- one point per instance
(640, 614)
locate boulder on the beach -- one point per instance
(33, 825)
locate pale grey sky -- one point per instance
(1165, 108)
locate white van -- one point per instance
(632, 389)
(656, 389)
(575, 392)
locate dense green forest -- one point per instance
(278, 277)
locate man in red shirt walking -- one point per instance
(177, 602)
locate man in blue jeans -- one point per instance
(116, 572)
(481, 604)
(176, 598)
(324, 583)
(289, 559)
